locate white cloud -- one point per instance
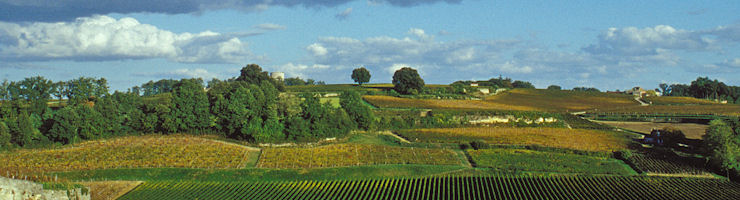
(419, 33)
(105, 38)
(317, 49)
(299, 70)
(633, 41)
(181, 73)
(270, 26)
(344, 14)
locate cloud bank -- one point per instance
(106, 38)
(56, 10)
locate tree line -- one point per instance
(703, 88)
(248, 107)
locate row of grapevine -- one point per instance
(338, 155)
(503, 187)
(652, 163)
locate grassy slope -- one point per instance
(529, 160)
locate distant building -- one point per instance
(280, 76)
(473, 84)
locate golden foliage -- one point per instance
(561, 100)
(129, 152)
(338, 155)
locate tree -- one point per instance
(501, 82)
(294, 81)
(190, 106)
(360, 113)
(37, 91)
(407, 81)
(4, 136)
(720, 145)
(554, 87)
(664, 89)
(361, 75)
(586, 89)
(522, 84)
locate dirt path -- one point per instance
(642, 103)
(394, 135)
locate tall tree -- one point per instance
(37, 91)
(361, 75)
(190, 106)
(4, 136)
(407, 81)
(360, 113)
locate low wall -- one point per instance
(12, 189)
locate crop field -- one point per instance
(529, 160)
(561, 100)
(577, 139)
(657, 164)
(506, 187)
(131, 152)
(668, 100)
(352, 155)
(714, 109)
(395, 102)
(691, 130)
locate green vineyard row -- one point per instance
(561, 187)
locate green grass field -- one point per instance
(529, 160)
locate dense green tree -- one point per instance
(152, 88)
(522, 84)
(36, 91)
(679, 90)
(5, 136)
(664, 88)
(294, 81)
(361, 75)
(66, 126)
(129, 106)
(83, 89)
(407, 81)
(111, 116)
(586, 89)
(501, 82)
(190, 110)
(721, 145)
(360, 113)
(554, 87)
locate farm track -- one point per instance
(451, 187)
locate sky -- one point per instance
(609, 45)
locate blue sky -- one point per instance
(605, 44)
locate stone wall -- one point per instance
(12, 189)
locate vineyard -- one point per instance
(352, 155)
(662, 164)
(561, 100)
(130, 152)
(714, 109)
(395, 102)
(528, 160)
(668, 100)
(505, 187)
(578, 139)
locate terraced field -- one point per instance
(131, 152)
(529, 160)
(395, 102)
(339, 155)
(577, 139)
(506, 187)
(561, 100)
